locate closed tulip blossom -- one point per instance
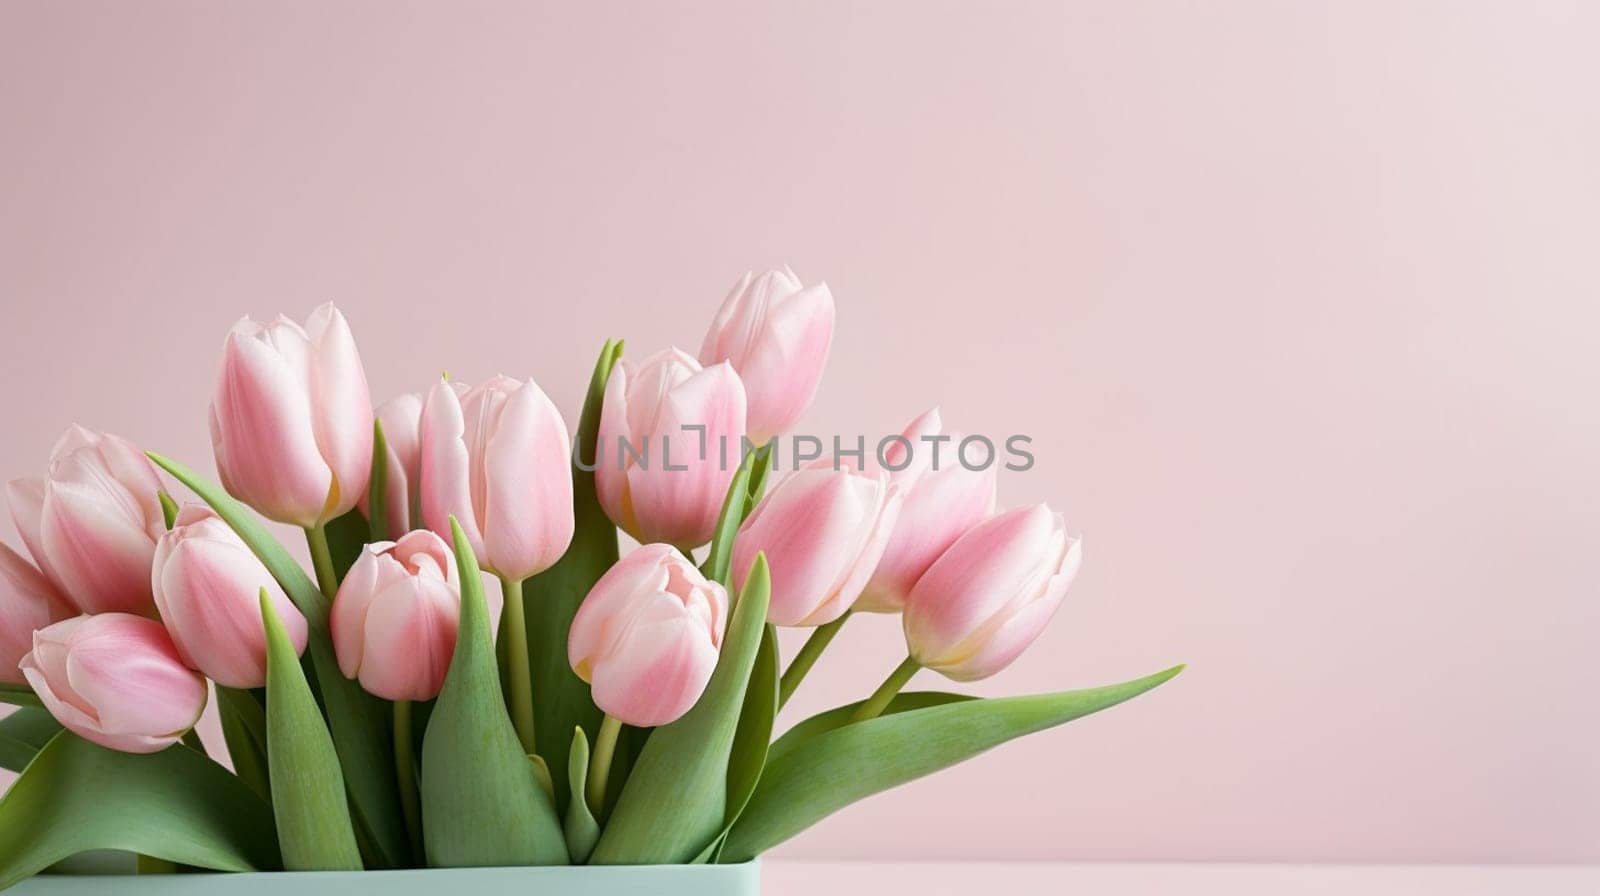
(394, 621)
(115, 679)
(646, 639)
(670, 441)
(823, 531)
(498, 459)
(92, 523)
(776, 333)
(28, 602)
(291, 418)
(207, 586)
(942, 501)
(401, 417)
(991, 594)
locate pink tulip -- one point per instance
(291, 419)
(92, 522)
(207, 586)
(686, 424)
(115, 679)
(776, 334)
(402, 427)
(498, 459)
(823, 531)
(943, 499)
(991, 594)
(394, 620)
(647, 636)
(28, 602)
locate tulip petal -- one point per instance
(527, 508)
(446, 475)
(103, 557)
(341, 406)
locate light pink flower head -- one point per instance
(291, 418)
(647, 636)
(395, 618)
(28, 602)
(992, 593)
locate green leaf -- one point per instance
(169, 508)
(754, 734)
(23, 734)
(347, 535)
(175, 805)
(481, 802)
(359, 721)
(581, 828)
(833, 769)
(378, 487)
(561, 699)
(676, 799)
(308, 798)
(839, 716)
(732, 515)
(19, 695)
(244, 729)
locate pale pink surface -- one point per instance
(395, 618)
(647, 636)
(28, 601)
(1295, 300)
(657, 478)
(115, 679)
(207, 586)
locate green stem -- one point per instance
(600, 764)
(191, 739)
(322, 560)
(521, 696)
(807, 657)
(405, 765)
(758, 476)
(879, 701)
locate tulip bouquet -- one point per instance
(621, 709)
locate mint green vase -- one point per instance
(583, 880)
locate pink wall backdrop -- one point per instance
(1299, 302)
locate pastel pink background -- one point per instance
(1298, 301)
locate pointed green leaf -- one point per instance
(839, 716)
(175, 805)
(169, 508)
(19, 695)
(244, 729)
(359, 721)
(833, 769)
(581, 828)
(378, 487)
(754, 734)
(23, 734)
(561, 699)
(308, 799)
(729, 519)
(676, 799)
(347, 535)
(481, 802)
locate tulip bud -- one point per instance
(498, 459)
(395, 617)
(291, 419)
(943, 499)
(823, 531)
(646, 637)
(670, 440)
(401, 417)
(991, 594)
(776, 334)
(207, 585)
(92, 522)
(115, 679)
(28, 602)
